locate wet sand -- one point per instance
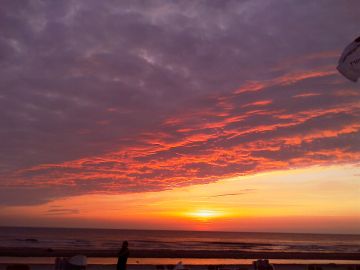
(41, 259)
(230, 254)
(196, 267)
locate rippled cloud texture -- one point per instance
(131, 96)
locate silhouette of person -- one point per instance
(123, 256)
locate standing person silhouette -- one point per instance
(123, 256)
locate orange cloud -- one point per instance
(261, 127)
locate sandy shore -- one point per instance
(39, 252)
(197, 267)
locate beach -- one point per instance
(193, 267)
(156, 260)
(243, 266)
(161, 253)
(39, 247)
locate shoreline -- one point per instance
(173, 261)
(240, 266)
(161, 253)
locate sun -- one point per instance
(204, 214)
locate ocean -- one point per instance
(111, 239)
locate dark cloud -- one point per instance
(31, 194)
(131, 96)
(242, 192)
(56, 210)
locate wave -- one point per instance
(173, 240)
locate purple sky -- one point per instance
(130, 96)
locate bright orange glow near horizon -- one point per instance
(302, 200)
(205, 214)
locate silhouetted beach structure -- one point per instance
(165, 267)
(180, 266)
(77, 262)
(314, 267)
(123, 255)
(263, 265)
(18, 266)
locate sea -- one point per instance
(111, 239)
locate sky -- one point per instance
(196, 115)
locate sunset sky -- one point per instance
(192, 115)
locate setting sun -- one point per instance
(205, 214)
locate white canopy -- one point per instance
(79, 260)
(349, 62)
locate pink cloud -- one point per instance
(141, 100)
(226, 138)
